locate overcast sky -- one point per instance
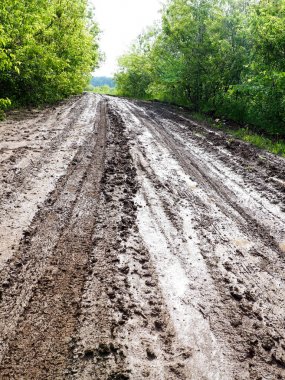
(121, 21)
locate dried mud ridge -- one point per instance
(136, 243)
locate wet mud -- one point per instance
(138, 244)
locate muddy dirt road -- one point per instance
(137, 244)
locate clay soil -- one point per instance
(138, 244)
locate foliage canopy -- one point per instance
(47, 49)
(225, 58)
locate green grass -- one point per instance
(245, 134)
(276, 147)
(199, 117)
(105, 90)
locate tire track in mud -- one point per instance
(27, 190)
(224, 196)
(45, 279)
(242, 155)
(16, 177)
(139, 264)
(124, 331)
(248, 315)
(80, 299)
(233, 303)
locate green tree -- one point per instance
(182, 51)
(223, 57)
(47, 49)
(266, 80)
(135, 73)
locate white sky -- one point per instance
(121, 21)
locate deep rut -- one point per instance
(237, 232)
(51, 267)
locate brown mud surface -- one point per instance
(138, 244)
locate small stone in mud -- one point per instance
(150, 354)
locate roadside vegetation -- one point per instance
(102, 85)
(105, 90)
(47, 50)
(221, 58)
(103, 81)
(274, 145)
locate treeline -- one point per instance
(103, 81)
(47, 50)
(224, 58)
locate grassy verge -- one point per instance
(276, 146)
(105, 90)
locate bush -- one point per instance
(4, 104)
